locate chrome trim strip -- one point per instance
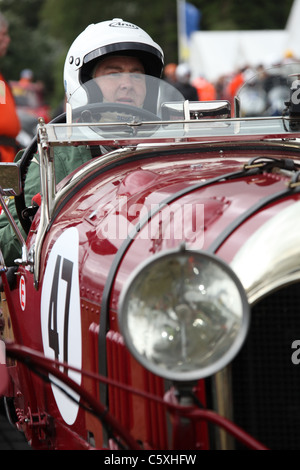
(270, 257)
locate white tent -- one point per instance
(217, 53)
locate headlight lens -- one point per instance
(184, 315)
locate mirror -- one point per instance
(10, 183)
(219, 109)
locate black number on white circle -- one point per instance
(53, 331)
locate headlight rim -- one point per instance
(219, 364)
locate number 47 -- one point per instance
(65, 267)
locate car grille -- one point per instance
(265, 381)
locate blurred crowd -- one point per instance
(179, 75)
(226, 86)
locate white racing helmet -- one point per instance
(106, 38)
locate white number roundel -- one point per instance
(60, 317)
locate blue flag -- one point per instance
(188, 21)
(192, 19)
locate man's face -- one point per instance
(122, 80)
(4, 40)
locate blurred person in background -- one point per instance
(9, 120)
(235, 83)
(26, 77)
(183, 77)
(169, 73)
(205, 89)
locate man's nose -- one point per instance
(126, 80)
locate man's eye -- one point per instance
(138, 76)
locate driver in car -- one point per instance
(110, 47)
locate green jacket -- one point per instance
(67, 159)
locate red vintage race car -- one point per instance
(154, 305)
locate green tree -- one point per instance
(243, 14)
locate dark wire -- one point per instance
(27, 361)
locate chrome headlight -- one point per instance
(184, 315)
